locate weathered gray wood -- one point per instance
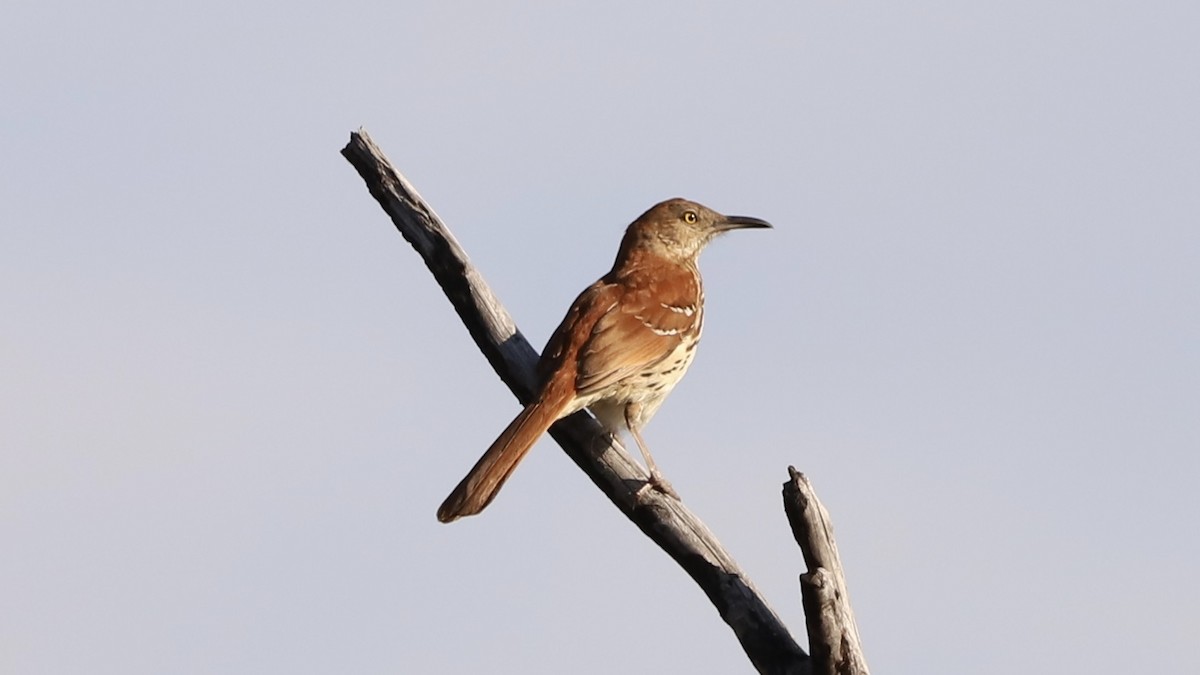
(666, 521)
(832, 631)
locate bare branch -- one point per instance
(832, 631)
(666, 521)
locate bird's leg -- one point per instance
(656, 477)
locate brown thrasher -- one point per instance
(625, 343)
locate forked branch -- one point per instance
(664, 520)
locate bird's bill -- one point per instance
(740, 222)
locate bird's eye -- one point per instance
(689, 217)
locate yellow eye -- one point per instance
(689, 217)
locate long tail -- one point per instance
(480, 486)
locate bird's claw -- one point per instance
(658, 482)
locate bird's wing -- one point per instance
(640, 327)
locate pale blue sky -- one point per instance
(232, 397)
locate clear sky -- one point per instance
(231, 397)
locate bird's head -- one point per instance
(678, 229)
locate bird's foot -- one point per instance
(660, 483)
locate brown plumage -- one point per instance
(625, 343)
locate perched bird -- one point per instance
(625, 343)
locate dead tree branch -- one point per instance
(832, 631)
(664, 520)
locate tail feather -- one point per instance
(481, 484)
